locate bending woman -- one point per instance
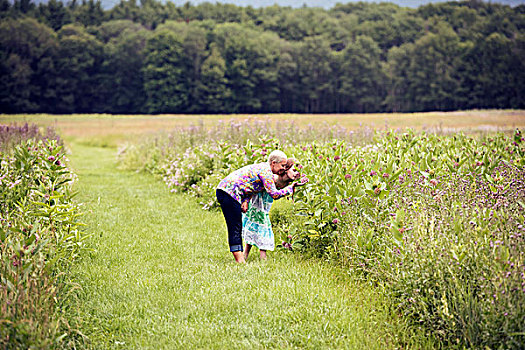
(235, 190)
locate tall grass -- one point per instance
(14, 134)
(147, 154)
(39, 237)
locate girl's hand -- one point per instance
(244, 207)
(304, 180)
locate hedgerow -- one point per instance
(40, 237)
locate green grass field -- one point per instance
(161, 277)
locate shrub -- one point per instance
(39, 238)
(435, 221)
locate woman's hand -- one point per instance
(244, 207)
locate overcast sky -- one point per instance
(107, 4)
(328, 3)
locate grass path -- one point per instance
(161, 277)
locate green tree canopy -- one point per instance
(160, 57)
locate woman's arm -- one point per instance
(269, 185)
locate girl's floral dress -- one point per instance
(256, 225)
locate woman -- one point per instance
(235, 190)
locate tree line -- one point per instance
(153, 57)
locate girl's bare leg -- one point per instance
(247, 250)
(263, 254)
(239, 257)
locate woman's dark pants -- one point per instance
(233, 215)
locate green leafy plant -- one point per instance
(40, 237)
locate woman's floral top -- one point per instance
(251, 179)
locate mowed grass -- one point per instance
(110, 130)
(161, 277)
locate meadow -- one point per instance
(434, 219)
(410, 232)
(112, 130)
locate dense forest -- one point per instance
(154, 57)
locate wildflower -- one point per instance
(372, 173)
(434, 182)
(15, 183)
(335, 221)
(336, 158)
(51, 158)
(377, 191)
(304, 179)
(348, 176)
(386, 175)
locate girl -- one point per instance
(256, 225)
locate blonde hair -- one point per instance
(276, 156)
